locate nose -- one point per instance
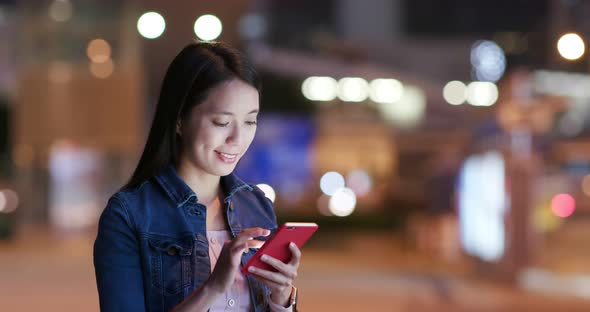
(235, 135)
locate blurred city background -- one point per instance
(443, 146)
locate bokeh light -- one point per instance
(320, 88)
(151, 25)
(455, 92)
(386, 90)
(488, 60)
(208, 27)
(482, 201)
(481, 93)
(359, 182)
(61, 10)
(102, 70)
(353, 89)
(268, 191)
(8, 201)
(543, 218)
(571, 124)
(563, 205)
(343, 202)
(561, 83)
(98, 51)
(3, 201)
(571, 46)
(331, 182)
(407, 112)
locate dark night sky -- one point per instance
(468, 17)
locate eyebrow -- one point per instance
(231, 114)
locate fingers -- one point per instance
(271, 283)
(280, 288)
(250, 233)
(277, 279)
(230, 256)
(295, 254)
(253, 243)
(286, 273)
(287, 270)
(244, 240)
(235, 248)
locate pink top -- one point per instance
(237, 298)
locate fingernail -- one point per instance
(251, 269)
(264, 257)
(292, 244)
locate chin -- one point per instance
(223, 171)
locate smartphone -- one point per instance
(278, 245)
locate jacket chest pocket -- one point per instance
(170, 264)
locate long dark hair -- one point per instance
(197, 69)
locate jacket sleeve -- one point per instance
(117, 261)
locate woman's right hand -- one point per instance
(228, 263)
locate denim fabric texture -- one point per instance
(151, 250)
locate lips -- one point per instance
(227, 157)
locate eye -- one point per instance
(221, 124)
(252, 123)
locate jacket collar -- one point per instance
(180, 192)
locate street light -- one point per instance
(208, 27)
(571, 46)
(151, 25)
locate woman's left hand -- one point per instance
(280, 283)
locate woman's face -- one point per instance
(218, 131)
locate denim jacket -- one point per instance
(151, 250)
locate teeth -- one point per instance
(228, 155)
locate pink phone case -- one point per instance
(278, 245)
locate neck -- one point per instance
(205, 185)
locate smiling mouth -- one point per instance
(228, 158)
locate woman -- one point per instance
(175, 236)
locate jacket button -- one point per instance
(172, 251)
